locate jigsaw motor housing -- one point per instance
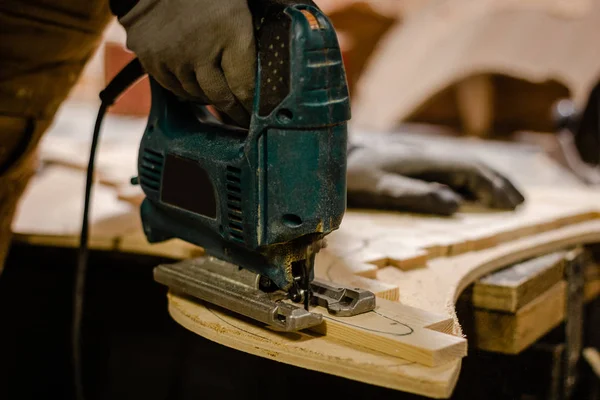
(257, 197)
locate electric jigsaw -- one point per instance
(259, 201)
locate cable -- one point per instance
(81, 271)
(117, 86)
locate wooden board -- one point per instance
(315, 352)
(399, 331)
(50, 214)
(512, 333)
(551, 220)
(510, 289)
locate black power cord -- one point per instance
(117, 86)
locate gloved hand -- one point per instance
(398, 177)
(201, 50)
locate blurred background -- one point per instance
(516, 70)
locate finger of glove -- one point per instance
(185, 75)
(406, 194)
(182, 83)
(239, 58)
(169, 81)
(481, 183)
(511, 198)
(491, 189)
(214, 84)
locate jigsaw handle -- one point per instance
(273, 41)
(300, 67)
(301, 81)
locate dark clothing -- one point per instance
(44, 46)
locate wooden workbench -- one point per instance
(418, 266)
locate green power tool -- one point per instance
(264, 197)
(258, 201)
(261, 199)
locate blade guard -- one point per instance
(255, 198)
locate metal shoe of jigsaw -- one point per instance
(259, 201)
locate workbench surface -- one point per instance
(417, 265)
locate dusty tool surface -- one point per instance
(265, 197)
(418, 266)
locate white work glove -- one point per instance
(201, 50)
(399, 177)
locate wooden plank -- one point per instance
(53, 204)
(314, 351)
(511, 288)
(512, 333)
(417, 317)
(423, 288)
(399, 333)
